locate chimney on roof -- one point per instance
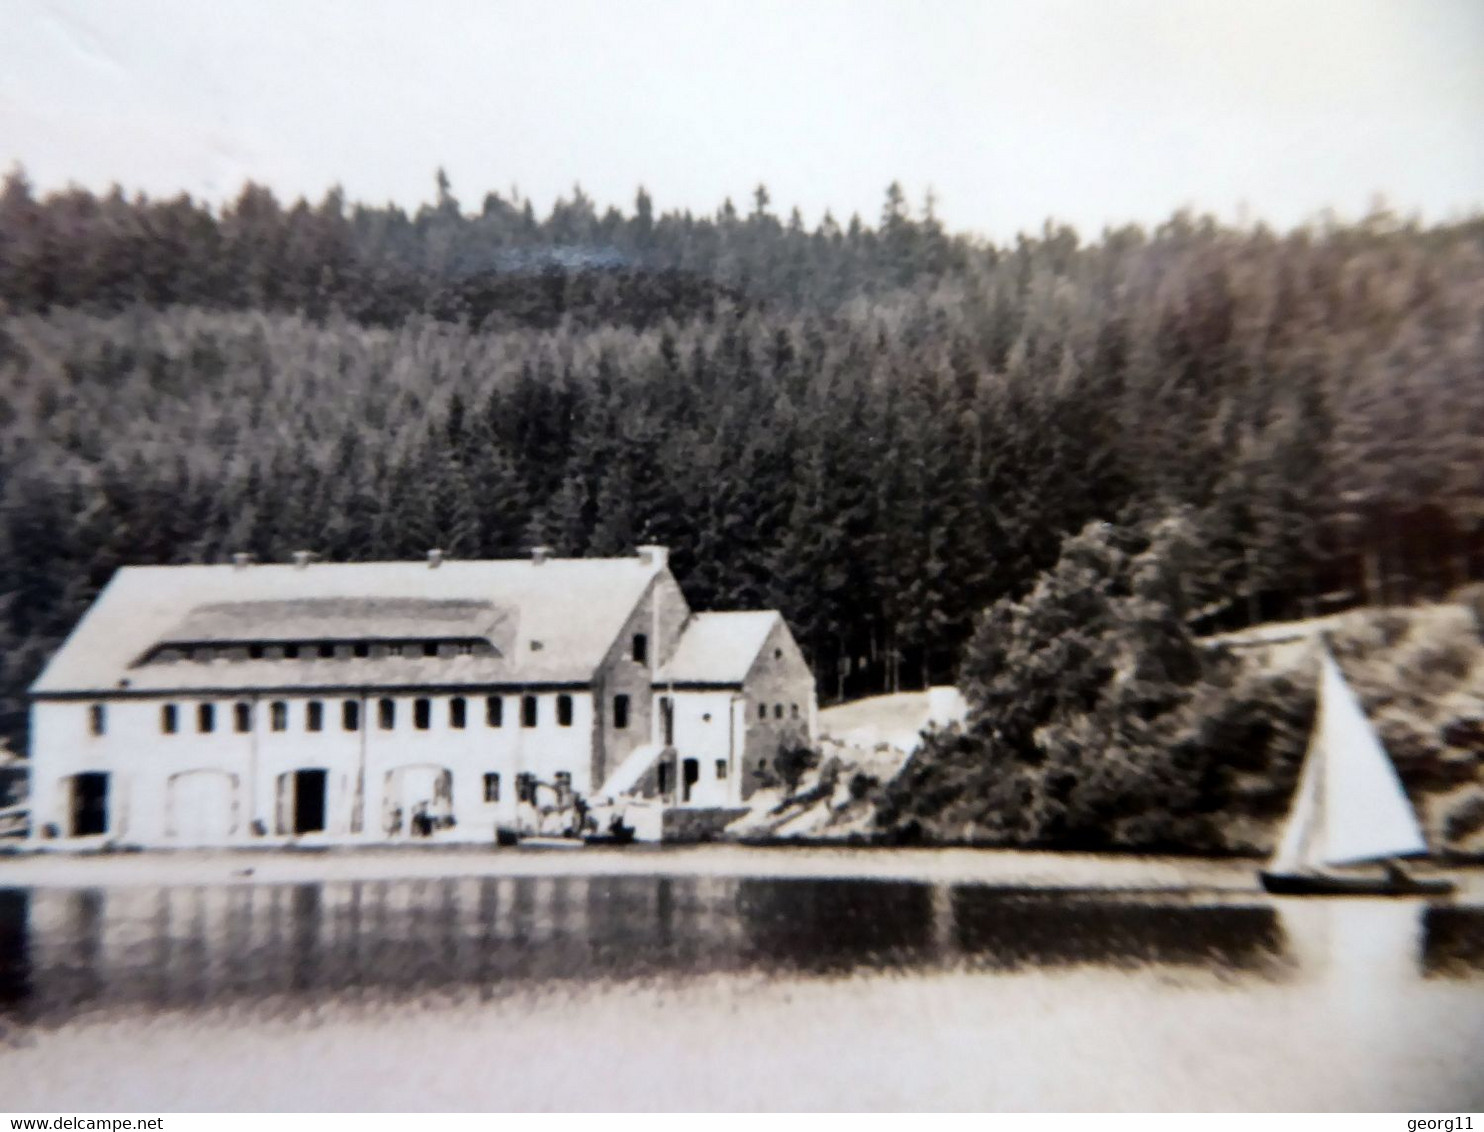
(303, 558)
(655, 556)
(540, 554)
(241, 560)
(435, 558)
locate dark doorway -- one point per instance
(309, 801)
(89, 804)
(667, 718)
(690, 774)
(664, 778)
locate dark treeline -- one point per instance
(499, 268)
(881, 429)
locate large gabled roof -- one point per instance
(549, 622)
(718, 648)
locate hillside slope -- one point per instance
(863, 745)
(1418, 671)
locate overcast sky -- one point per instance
(1093, 112)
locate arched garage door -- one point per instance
(202, 807)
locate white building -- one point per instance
(373, 702)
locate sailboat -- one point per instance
(1350, 819)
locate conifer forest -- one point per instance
(876, 425)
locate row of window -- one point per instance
(386, 714)
(241, 714)
(328, 650)
(324, 650)
(762, 711)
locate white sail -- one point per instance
(1302, 843)
(1367, 814)
(1349, 807)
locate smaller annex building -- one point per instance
(383, 701)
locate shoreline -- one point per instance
(1031, 870)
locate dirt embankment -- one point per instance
(863, 745)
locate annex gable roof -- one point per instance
(718, 648)
(550, 622)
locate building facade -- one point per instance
(378, 702)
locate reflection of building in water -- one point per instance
(207, 705)
(65, 951)
(62, 952)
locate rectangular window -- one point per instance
(528, 711)
(721, 770)
(255, 652)
(525, 788)
(97, 719)
(350, 715)
(422, 714)
(394, 650)
(326, 651)
(563, 779)
(278, 714)
(762, 711)
(456, 713)
(620, 713)
(291, 652)
(430, 648)
(777, 711)
(168, 720)
(314, 716)
(466, 648)
(242, 716)
(386, 714)
(494, 711)
(564, 711)
(641, 649)
(205, 718)
(362, 649)
(491, 787)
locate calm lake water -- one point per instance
(631, 991)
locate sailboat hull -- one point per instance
(1320, 884)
